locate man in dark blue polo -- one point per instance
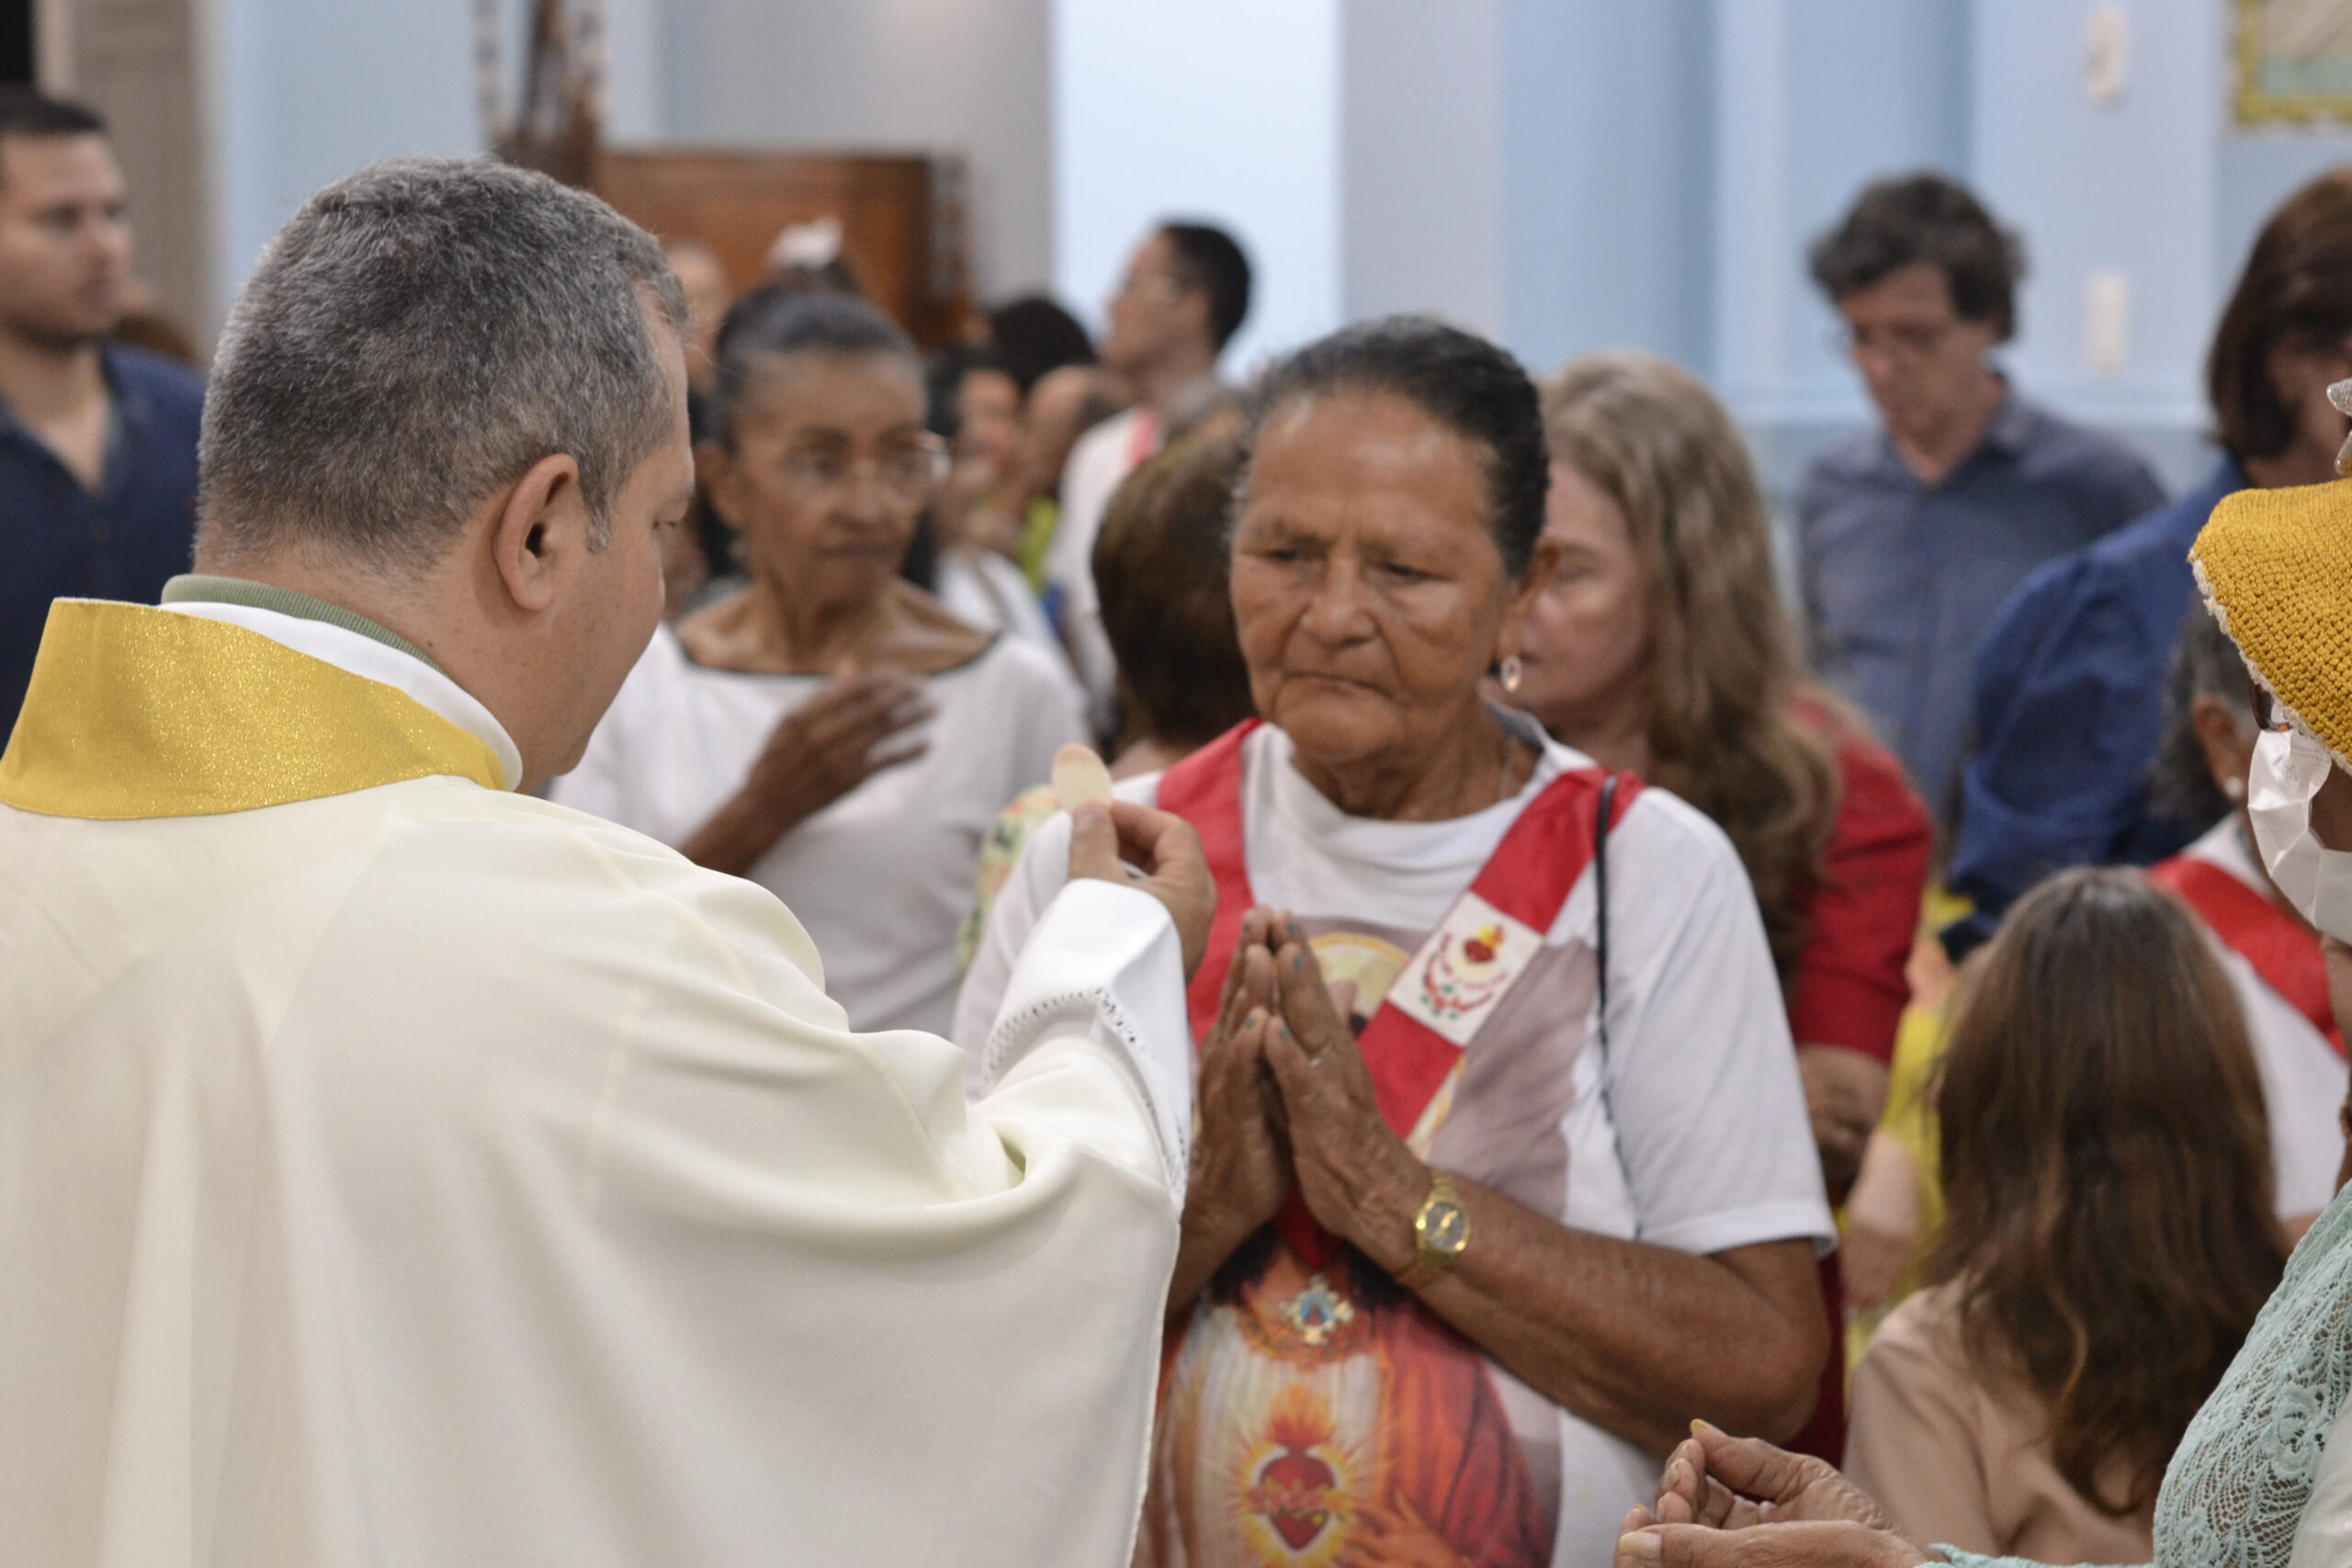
(1912, 535)
(97, 440)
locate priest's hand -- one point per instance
(1240, 1169)
(818, 752)
(1359, 1180)
(1152, 852)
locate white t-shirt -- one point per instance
(1103, 456)
(883, 876)
(2302, 1078)
(982, 589)
(1701, 1141)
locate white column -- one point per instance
(1223, 109)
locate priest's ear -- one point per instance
(541, 533)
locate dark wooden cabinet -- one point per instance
(902, 218)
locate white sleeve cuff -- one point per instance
(1103, 963)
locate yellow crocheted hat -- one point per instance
(2275, 569)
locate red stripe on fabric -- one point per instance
(1529, 877)
(2284, 953)
(1204, 789)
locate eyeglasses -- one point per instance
(1908, 342)
(906, 471)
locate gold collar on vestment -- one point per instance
(135, 712)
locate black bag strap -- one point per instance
(1600, 910)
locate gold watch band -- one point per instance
(1441, 1233)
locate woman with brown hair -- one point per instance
(2109, 1236)
(1660, 647)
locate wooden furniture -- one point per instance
(901, 218)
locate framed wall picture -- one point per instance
(2293, 61)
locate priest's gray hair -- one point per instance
(414, 340)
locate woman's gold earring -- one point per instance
(1512, 673)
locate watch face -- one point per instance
(1449, 1228)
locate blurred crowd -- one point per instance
(1863, 1007)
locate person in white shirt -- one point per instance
(1464, 1199)
(830, 731)
(400, 1172)
(1186, 292)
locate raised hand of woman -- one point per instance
(1727, 1501)
(1240, 1170)
(1726, 1482)
(817, 753)
(1357, 1178)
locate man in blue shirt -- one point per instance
(97, 440)
(1911, 536)
(2068, 698)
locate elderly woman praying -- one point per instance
(1498, 1109)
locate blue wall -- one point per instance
(308, 91)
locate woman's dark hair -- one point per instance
(1032, 336)
(1458, 378)
(1925, 218)
(2106, 1165)
(2296, 289)
(2205, 664)
(1162, 573)
(776, 320)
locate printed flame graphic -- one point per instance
(1482, 946)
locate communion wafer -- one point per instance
(1080, 777)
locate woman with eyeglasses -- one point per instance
(830, 731)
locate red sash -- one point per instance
(1527, 879)
(2279, 947)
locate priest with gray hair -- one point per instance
(396, 1169)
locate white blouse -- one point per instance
(883, 876)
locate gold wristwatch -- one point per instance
(1441, 1233)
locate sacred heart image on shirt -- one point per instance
(1294, 1491)
(1465, 967)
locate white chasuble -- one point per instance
(397, 1171)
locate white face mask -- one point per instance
(2288, 768)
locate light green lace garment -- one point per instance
(2236, 1487)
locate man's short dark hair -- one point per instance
(28, 111)
(1213, 261)
(1926, 218)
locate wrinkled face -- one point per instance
(829, 468)
(1366, 584)
(1155, 307)
(64, 245)
(1922, 364)
(1589, 631)
(611, 612)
